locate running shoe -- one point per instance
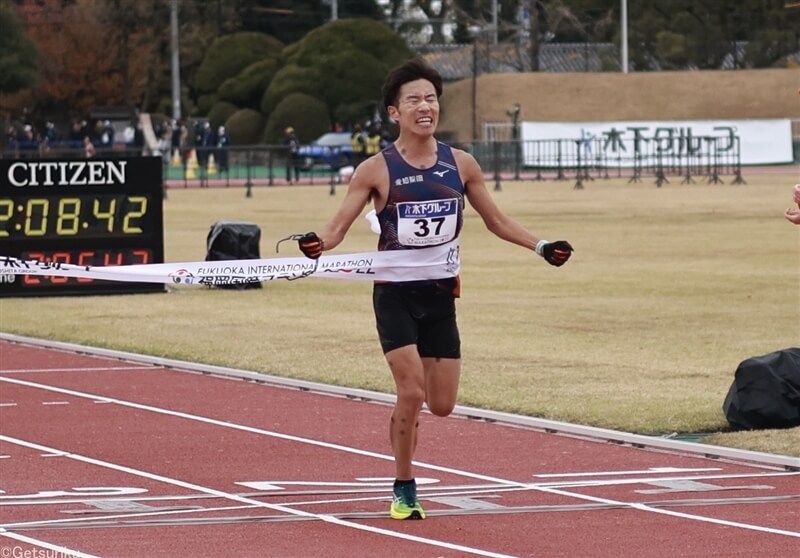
(405, 504)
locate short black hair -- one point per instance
(411, 70)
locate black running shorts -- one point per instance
(421, 315)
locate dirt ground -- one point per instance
(593, 97)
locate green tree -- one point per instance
(220, 113)
(667, 34)
(291, 20)
(350, 57)
(247, 88)
(306, 114)
(17, 53)
(230, 54)
(291, 79)
(245, 127)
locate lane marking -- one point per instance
(263, 486)
(58, 550)
(487, 478)
(55, 402)
(619, 473)
(8, 404)
(133, 367)
(152, 518)
(654, 480)
(79, 491)
(89, 369)
(241, 499)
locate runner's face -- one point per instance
(417, 107)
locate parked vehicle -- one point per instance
(332, 150)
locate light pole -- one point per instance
(624, 34)
(176, 60)
(494, 22)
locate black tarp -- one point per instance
(228, 240)
(765, 392)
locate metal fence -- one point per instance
(698, 158)
(703, 157)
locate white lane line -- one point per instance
(318, 443)
(256, 503)
(57, 550)
(55, 402)
(649, 471)
(8, 404)
(55, 523)
(89, 369)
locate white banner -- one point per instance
(437, 262)
(762, 141)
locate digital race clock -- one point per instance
(85, 212)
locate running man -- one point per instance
(416, 321)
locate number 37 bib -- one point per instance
(427, 223)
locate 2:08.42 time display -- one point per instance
(92, 216)
(98, 212)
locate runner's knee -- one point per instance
(441, 408)
(410, 396)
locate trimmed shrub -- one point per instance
(248, 87)
(204, 104)
(220, 113)
(291, 79)
(306, 114)
(363, 35)
(245, 127)
(230, 54)
(351, 57)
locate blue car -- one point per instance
(332, 150)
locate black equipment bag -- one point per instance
(229, 240)
(765, 392)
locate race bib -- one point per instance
(427, 223)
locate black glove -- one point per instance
(311, 245)
(556, 253)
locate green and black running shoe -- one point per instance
(405, 504)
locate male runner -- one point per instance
(416, 321)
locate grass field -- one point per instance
(668, 291)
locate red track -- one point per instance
(111, 458)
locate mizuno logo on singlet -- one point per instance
(441, 173)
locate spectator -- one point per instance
(75, 135)
(178, 140)
(203, 142)
(28, 143)
(88, 147)
(373, 140)
(292, 154)
(50, 135)
(223, 141)
(12, 142)
(138, 139)
(358, 143)
(106, 136)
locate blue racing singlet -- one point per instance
(424, 207)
